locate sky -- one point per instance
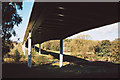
(108, 32)
(25, 14)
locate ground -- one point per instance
(73, 67)
(18, 70)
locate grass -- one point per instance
(95, 58)
(40, 67)
(66, 53)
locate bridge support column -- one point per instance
(61, 53)
(23, 48)
(29, 50)
(39, 49)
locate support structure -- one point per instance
(23, 48)
(61, 53)
(39, 49)
(29, 50)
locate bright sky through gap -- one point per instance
(108, 32)
(25, 13)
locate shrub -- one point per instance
(40, 59)
(9, 60)
(17, 55)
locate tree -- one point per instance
(80, 45)
(84, 37)
(10, 18)
(103, 49)
(52, 45)
(115, 52)
(67, 40)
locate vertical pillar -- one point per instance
(23, 47)
(29, 50)
(61, 53)
(39, 49)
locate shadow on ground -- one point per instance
(17, 70)
(82, 69)
(78, 61)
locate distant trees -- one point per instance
(51, 45)
(109, 50)
(103, 48)
(81, 44)
(83, 47)
(115, 50)
(67, 40)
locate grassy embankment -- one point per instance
(16, 55)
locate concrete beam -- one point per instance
(61, 53)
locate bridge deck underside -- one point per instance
(51, 21)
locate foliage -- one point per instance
(9, 60)
(103, 48)
(51, 45)
(57, 63)
(108, 50)
(41, 59)
(115, 52)
(81, 45)
(6, 46)
(17, 55)
(90, 50)
(67, 40)
(84, 37)
(10, 18)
